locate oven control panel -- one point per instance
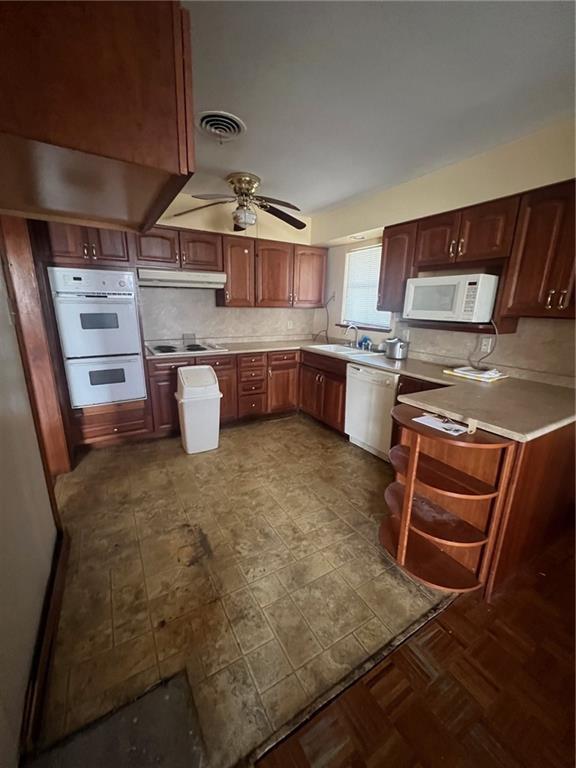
(94, 281)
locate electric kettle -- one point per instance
(395, 349)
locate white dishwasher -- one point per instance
(370, 396)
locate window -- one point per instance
(361, 289)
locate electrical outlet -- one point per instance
(290, 324)
(486, 344)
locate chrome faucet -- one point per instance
(355, 327)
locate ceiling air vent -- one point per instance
(222, 126)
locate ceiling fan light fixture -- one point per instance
(244, 217)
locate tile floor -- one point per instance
(255, 567)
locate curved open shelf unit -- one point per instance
(432, 521)
(404, 416)
(441, 477)
(425, 561)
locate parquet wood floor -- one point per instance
(478, 686)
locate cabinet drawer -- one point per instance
(252, 361)
(280, 358)
(165, 366)
(250, 405)
(93, 433)
(324, 363)
(252, 374)
(221, 362)
(110, 420)
(255, 387)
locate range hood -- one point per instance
(180, 278)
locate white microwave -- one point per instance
(451, 298)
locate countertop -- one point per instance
(516, 408)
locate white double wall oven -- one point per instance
(99, 331)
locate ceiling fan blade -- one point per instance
(283, 203)
(296, 223)
(239, 229)
(214, 197)
(199, 208)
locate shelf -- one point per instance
(433, 521)
(426, 562)
(404, 415)
(441, 477)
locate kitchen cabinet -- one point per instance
(540, 277)
(72, 245)
(238, 257)
(437, 239)
(162, 384)
(274, 274)
(309, 276)
(252, 384)
(323, 389)
(225, 369)
(104, 423)
(200, 251)
(283, 382)
(398, 243)
(486, 230)
(99, 108)
(159, 247)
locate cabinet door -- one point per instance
(201, 251)
(159, 247)
(239, 268)
(396, 265)
(164, 406)
(540, 276)
(486, 230)
(309, 276)
(108, 246)
(282, 388)
(333, 401)
(229, 388)
(310, 391)
(437, 239)
(274, 274)
(68, 244)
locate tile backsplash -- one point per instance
(170, 312)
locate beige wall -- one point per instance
(533, 161)
(170, 312)
(27, 536)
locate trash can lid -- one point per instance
(196, 381)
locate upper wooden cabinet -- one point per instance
(238, 257)
(309, 276)
(99, 108)
(68, 244)
(274, 274)
(396, 265)
(200, 250)
(540, 276)
(486, 230)
(437, 239)
(159, 247)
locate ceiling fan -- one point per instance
(244, 186)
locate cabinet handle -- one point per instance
(290, 298)
(461, 247)
(270, 372)
(85, 251)
(562, 299)
(227, 295)
(217, 362)
(452, 249)
(94, 252)
(549, 298)
(183, 258)
(252, 405)
(115, 429)
(295, 297)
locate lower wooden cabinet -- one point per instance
(282, 387)
(323, 389)
(104, 423)
(162, 385)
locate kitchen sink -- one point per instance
(339, 349)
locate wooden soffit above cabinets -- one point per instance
(96, 123)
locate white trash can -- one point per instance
(198, 398)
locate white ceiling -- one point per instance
(341, 98)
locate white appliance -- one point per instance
(171, 278)
(453, 298)
(370, 396)
(99, 333)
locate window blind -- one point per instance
(361, 289)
